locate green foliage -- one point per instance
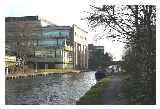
(140, 65)
(93, 96)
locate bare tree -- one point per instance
(121, 22)
(25, 38)
(135, 26)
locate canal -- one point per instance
(58, 89)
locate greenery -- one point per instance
(134, 25)
(93, 96)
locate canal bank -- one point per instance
(107, 91)
(93, 96)
(40, 72)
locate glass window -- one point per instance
(51, 33)
(61, 42)
(47, 43)
(38, 53)
(58, 53)
(57, 33)
(52, 53)
(65, 34)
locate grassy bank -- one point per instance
(93, 96)
(135, 91)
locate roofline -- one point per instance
(80, 28)
(22, 16)
(96, 45)
(57, 27)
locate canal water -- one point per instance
(56, 89)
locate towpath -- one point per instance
(113, 94)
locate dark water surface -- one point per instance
(53, 89)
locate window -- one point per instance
(58, 53)
(60, 42)
(48, 43)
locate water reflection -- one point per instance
(53, 89)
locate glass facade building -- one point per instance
(53, 47)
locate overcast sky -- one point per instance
(62, 12)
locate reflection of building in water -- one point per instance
(51, 46)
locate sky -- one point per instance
(63, 12)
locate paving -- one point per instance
(112, 94)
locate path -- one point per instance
(112, 94)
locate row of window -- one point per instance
(56, 34)
(54, 54)
(47, 43)
(81, 37)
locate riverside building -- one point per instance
(96, 54)
(21, 36)
(54, 49)
(80, 48)
(50, 47)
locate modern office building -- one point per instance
(96, 54)
(21, 35)
(54, 49)
(62, 47)
(51, 46)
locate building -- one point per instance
(80, 48)
(62, 47)
(46, 47)
(96, 54)
(54, 49)
(21, 35)
(10, 63)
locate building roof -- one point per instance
(95, 47)
(55, 27)
(24, 18)
(80, 28)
